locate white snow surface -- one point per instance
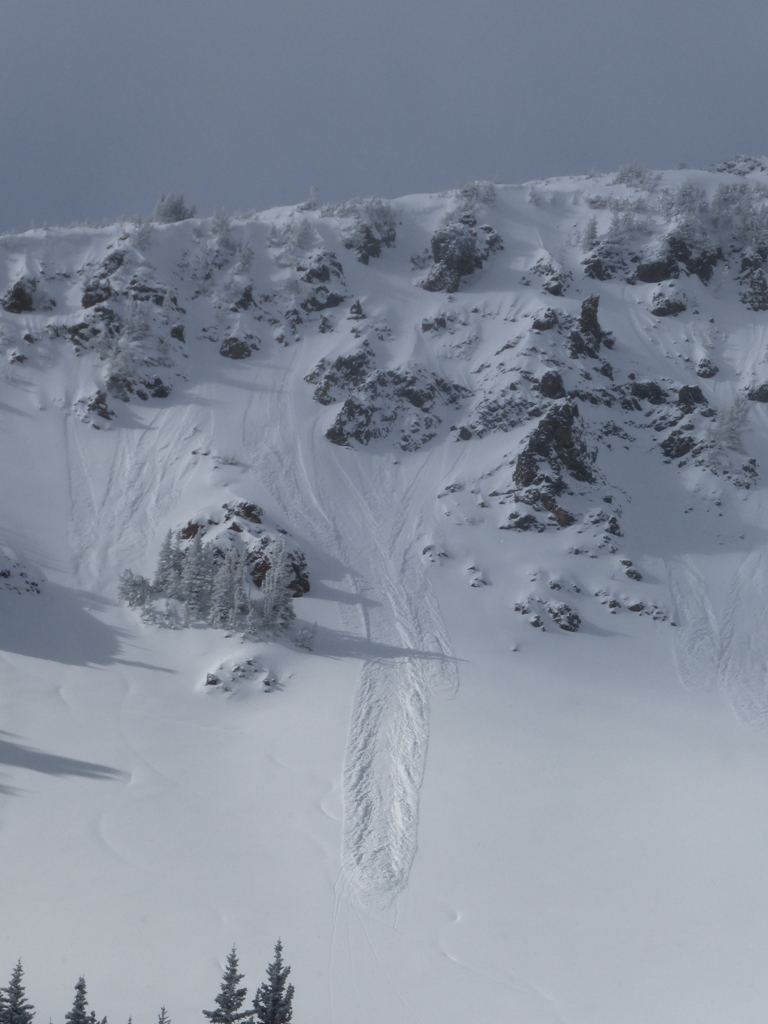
(445, 813)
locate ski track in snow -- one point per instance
(733, 652)
(389, 727)
(744, 644)
(145, 476)
(696, 640)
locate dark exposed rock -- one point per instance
(98, 404)
(156, 387)
(588, 320)
(663, 267)
(112, 262)
(606, 262)
(545, 320)
(320, 268)
(648, 391)
(458, 251)
(322, 299)
(688, 397)
(524, 522)
(390, 400)
(501, 410)
(142, 289)
(565, 617)
(323, 271)
(667, 305)
(122, 387)
(555, 279)
(606, 370)
(97, 290)
(758, 393)
(555, 441)
(454, 251)
(25, 296)
(244, 510)
(235, 348)
(706, 369)
(551, 385)
(343, 375)
(586, 341)
(437, 323)
(700, 260)
(246, 300)
(177, 332)
(678, 444)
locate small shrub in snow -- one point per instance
(142, 232)
(171, 208)
(371, 227)
(637, 176)
(305, 638)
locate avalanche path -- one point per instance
(744, 656)
(696, 641)
(374, 525)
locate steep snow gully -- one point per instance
(391, 612)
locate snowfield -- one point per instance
(520, 776)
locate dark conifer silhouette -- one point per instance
(230, 998)
(14, 1008)
(273, 1002)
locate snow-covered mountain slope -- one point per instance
(514, 439)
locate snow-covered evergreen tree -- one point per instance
(78, 1013)
(134, 589)
(273, 1003)
(167, 567)
(230, 997)
(240, 589)
(221, 593)
(14, 1008)
(196, 578)
(278, 611)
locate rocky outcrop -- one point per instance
(458, 251)
(554, 447)
(587, 340)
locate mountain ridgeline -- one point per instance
(565, 331)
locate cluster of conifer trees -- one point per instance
(213, 588)
(272, 1004)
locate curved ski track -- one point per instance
(372, 524)
(732, 652)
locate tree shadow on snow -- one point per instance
(321, 590)
(17, 755)
(56, 625)
(334, 643)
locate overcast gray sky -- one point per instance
(104, 104)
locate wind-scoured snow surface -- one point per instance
(520, 435)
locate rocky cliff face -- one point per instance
(576, 336)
